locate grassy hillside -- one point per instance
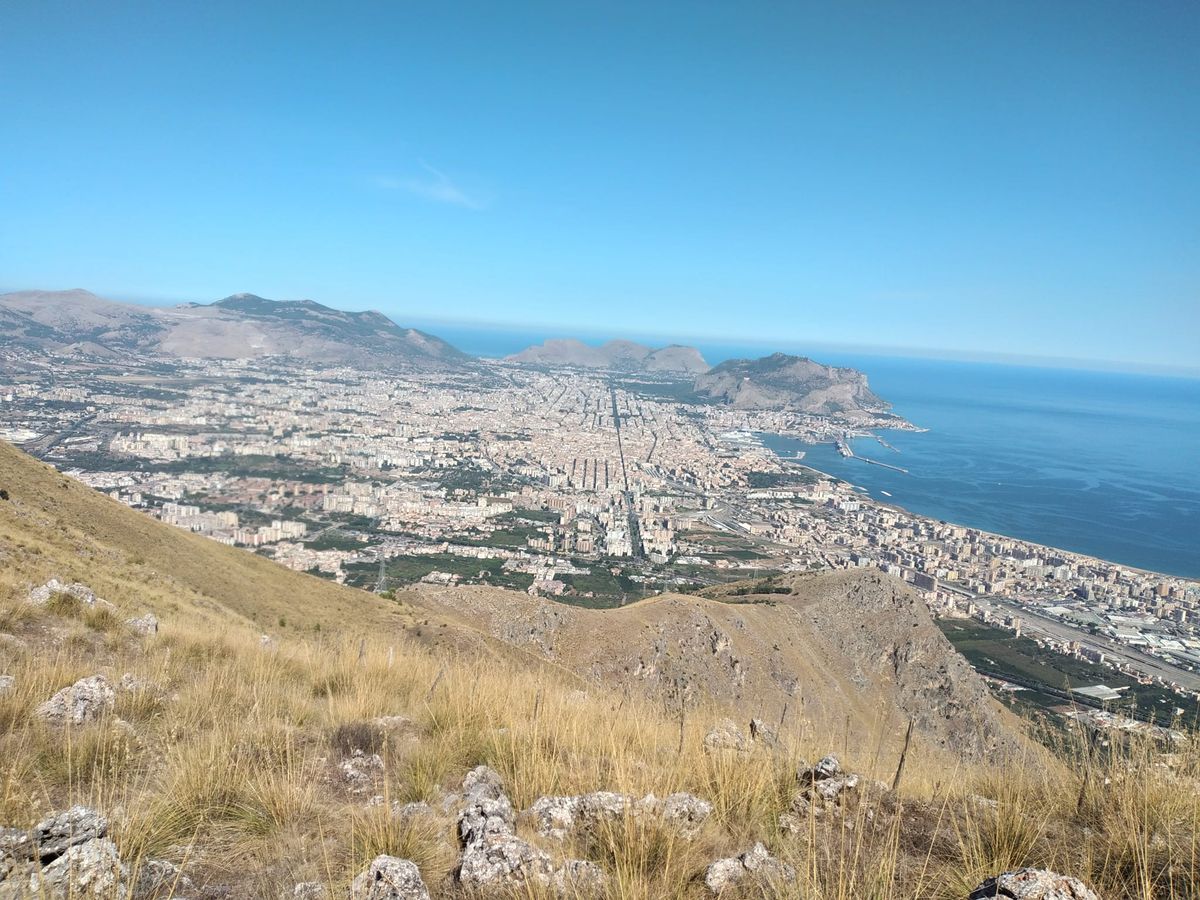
(250, 765)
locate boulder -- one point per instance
(1033, 884)
(725, 735)
(7, 683)
(39, 596)
(495, 860)
(55, 834)
(482, 782)
(389, 878)
(84, 701)
(762, 733)
(500, 860)
(563, 817)
(686, 812)
(756, 864)
(146, 624)
(90, 869)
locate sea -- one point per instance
(1098, 462)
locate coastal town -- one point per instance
(594, 488)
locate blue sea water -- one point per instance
(1102, 463)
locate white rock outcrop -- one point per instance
(84, 701)
(389, 878)
(1033, 884)
(756, 864)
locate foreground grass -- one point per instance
(227, 760)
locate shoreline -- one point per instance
(896, 507)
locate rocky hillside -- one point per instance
(857, 648)
(781, 381)
(184, 719)
(242, 326)
(621, 356)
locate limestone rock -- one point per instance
(563, 817)
(90, 869)
(725, 735)
(483, 782)
(147, 624)
(1033, 884)
(755, 864)
(389, 878)
(761, 732)
(686, 812)
(55, 834)
(158, 878)
(501, 859)
(41, 595)
(495, 859)
(360, 770)
(84, 701)
(306, 890)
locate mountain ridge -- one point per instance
(781, 380)
(77, 322)
(618, 355)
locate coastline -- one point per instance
(895, 507)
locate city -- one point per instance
(594, 488)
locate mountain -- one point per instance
(781, 381)
(78, 323)
(622, 356)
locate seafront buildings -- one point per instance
(515, 476)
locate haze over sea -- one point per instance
(1101, 463)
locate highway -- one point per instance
(1035, 624)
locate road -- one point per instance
(635, 528)
(1032, 623)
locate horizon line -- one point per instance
(554, 331)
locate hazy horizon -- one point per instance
(1015, 179)
(537, 332)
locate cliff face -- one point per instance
(856, 651)
(780, 380)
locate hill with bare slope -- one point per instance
(77, 323)
(855, 652)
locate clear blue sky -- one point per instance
(1014, 177)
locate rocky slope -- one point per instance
(855, 648)
(242, 326)
(622, 356)
(782, 381)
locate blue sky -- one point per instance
(1014, 178)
